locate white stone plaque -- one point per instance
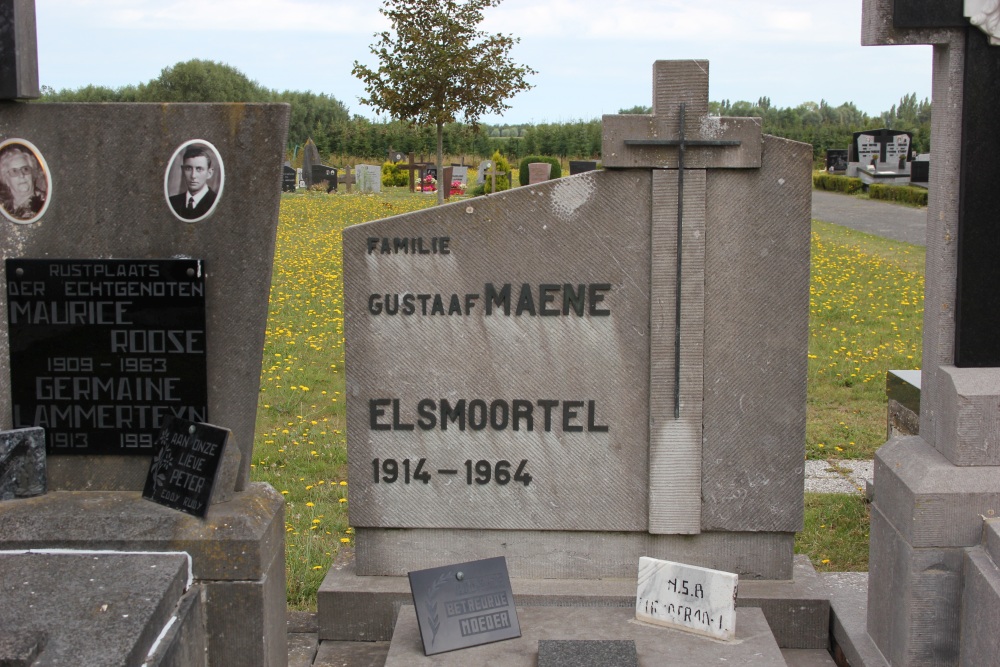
(687, 597)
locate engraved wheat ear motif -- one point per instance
(431, 604)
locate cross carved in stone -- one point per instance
(679, 142)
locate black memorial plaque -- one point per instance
(103, 351)
(464, 605)
(836, 159)
(182, 473)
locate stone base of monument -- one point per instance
(360, 608)
(754, 644)
(236, 552)
(100, 609)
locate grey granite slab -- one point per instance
(754, 645)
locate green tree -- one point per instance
(435, 64)
(203, 81)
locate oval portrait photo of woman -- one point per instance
(25, 182)
(194, 179)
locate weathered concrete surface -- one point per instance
(754, 644)
(93, 609)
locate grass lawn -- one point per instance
(866, 308)
(866, 301)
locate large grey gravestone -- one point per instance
(512, 376)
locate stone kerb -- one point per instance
(126, 216)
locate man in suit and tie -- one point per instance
(197, 198)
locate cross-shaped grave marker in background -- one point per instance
(348, 178)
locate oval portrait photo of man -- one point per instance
(25, 182)
(194, 179)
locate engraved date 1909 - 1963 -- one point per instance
(482, 472)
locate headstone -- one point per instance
(539, 172)
(836, 160)
(689, 598)
(299, 178)
(881, 156)
(460, 174)
(369, 178)
(129, 222)
(920, 169)
(321, 173)
(22, 463)
(193, 468)
(581, 166)
(499, 440)
(940, 561)
(481, 171)
(885, 146)
(289, 178)
(395, 156)
(464, 605)
(310, 159)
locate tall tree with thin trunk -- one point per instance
(436, 64)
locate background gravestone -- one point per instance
(460, 174)
(369, 178)
(539, 172)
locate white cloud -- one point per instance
(329, 16)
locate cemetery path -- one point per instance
(892, 221)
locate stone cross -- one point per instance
(348, 178)
(680, 141)
(413, 168)
(493, 173)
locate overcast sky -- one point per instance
(592, 56)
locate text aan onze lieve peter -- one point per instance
(543, 300)
(188, 473)
(80, 393)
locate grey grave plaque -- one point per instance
(464, 605)
(587, 653)
(103, 351)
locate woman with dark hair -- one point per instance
(22, 197)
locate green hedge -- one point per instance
(835, 183)
(522, 176)
(906, 194)
(394, 175)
